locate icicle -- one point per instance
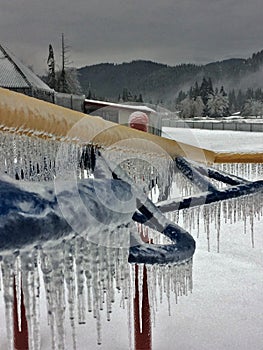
(129, 320)
(140, 269)
(1, 277)
(218, 223)
(8, 288)
(17, 276)
(207, 225)
(30, 288)
(58, 298)
(152, 292)
(69, 278)
(251, 218)
(168, 286)
(80, 283)
(98, 326)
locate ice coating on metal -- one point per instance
(30, 214)
(23, 115)
(28, 116)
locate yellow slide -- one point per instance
(23, 115)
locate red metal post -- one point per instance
(20, 336)
(142, 332)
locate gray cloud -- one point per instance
(170, 31)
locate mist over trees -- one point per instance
(203, 101)
(160, 83)
(216, 89)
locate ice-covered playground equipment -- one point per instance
(63, 156)
(41, 141)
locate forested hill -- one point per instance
(107, 80)
(158, 82)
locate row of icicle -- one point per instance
(83, 278)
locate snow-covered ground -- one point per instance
(219, 140)
(224, 311)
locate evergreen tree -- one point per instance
(206, 90)
(91, 95)
(240, 100)
(68, 82)
(250, 94)
(197, 107)
(222, 91)
(140, 99)
(232, 101)
(191, 108)
(210, 86)
(196, 90)
(51, 68)
(253, 108)
(258, 95)
(186, 108)
(218, 105)
(191, 92)
(181, 96)
(125, 95)
(128, 97)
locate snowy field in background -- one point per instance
(219, 140)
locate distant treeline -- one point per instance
(203, 100)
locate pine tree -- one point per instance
(206, 90)
(181, 96)
(68, 81)
(232, 101)
(197, 107)
(250, 94)
(196, 90)
(191, 108)
(218, 105)
(140, 99)
(186, 108)
(222, 91)
(125, 95)
(51, 68)
(240, 100)
(258, 94)
(253, 108)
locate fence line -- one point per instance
(215, 125)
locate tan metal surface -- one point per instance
(25, 115)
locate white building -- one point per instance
(120, 112)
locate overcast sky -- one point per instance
(167, 31)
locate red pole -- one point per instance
(20, 336)
(142, 332)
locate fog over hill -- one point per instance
(161, 83)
